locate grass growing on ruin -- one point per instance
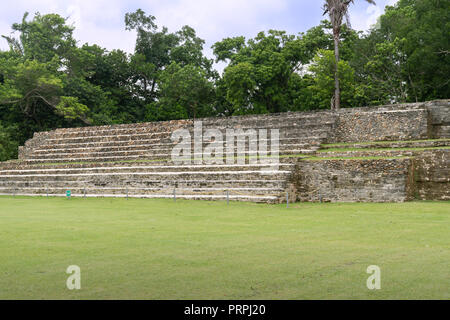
(158, 249)
(381, 149)
(380, 142)
(315, 158)
(152, 161)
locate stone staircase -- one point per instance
(135, 160)
(298, 134)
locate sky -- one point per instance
(102, 21)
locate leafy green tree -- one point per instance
(270, 73)
(385, 74)
(8, 144)
(33, 72)
(322, 85)
(42, 38)
(31, 85)
(405, 57)
(186, 92)
(423, 27)
(156, 49)
(257, 77)
(102, 81)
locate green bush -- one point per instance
(8, 146)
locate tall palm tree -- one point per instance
(337, 9)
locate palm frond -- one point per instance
(14, 44)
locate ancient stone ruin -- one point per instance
(389, 153)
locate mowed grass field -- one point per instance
(158, 249)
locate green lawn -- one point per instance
(158, 249)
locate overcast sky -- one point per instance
(102, 21)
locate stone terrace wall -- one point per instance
(432, 175)
(409, 121)
(440, 118)
(383, 180)
(396, 122)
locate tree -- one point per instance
(422, 29)
(336, 10)
(186, 92)
(270, 72)
(42, 38)
(47, 82)
(405, 56)
(39, 66)
(156, 49)
(31, 85)
(257, 78)
(8, 144)
(385, 74)
(101, 79)
(322, 83)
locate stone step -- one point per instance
(391, 145)
(77, 191)
(155, 144)
(117, 151)
(135, 160)
(284, 158)
(271, 121)
(173, 176)
(21, 165)
(17, 164)
(298, 120)
(133, 156)
(248, 198)
(145, 183)
(168, 131)
(142, 168)
(285, 132)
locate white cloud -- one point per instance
(100, 22)
(364, 15)
(107, 31)
(373, 13)
(74, 14)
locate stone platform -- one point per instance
(382, 154)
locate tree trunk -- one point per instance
(337, 90)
